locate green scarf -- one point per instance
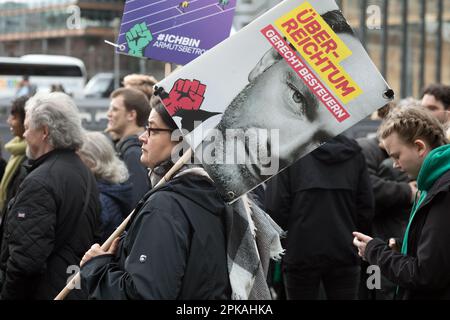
(16, 147)
(436, 163)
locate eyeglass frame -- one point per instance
(149, 129)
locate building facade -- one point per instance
(75, 28)
(408, 40)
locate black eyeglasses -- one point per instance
(150, 129)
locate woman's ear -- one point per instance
(422, 147)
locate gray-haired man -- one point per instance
(53, 218)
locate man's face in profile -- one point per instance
(276, 99)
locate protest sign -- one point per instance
(174, 31)
(288, 82)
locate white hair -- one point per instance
(59, 113)
(409, 102)
(99, 155)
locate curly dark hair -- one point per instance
(440, 92)
(18, 107)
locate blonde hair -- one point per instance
(141, 82)
(412, 123)
(99, 155)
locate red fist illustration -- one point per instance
(185, 94)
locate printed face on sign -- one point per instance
(267, 126)
(305, 78)
(276, 99)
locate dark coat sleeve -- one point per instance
(429, 270)
(30, 234)
(278, 199)
(364, 199)
(155, 264)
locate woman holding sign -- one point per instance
(175, 245)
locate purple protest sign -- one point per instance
(174, 31)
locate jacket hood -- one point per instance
(199, 190)
(121, 193)
(436, 163)
(337, 150)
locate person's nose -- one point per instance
(396, 165)
(143, 137)
(9, 120)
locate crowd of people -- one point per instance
(379, 201)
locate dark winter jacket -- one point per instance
(423, 272)
(46, 232)
(18, 177)
(116, 204)
(320, 200)
(129, 150)
(174, 248)
(391, 191)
